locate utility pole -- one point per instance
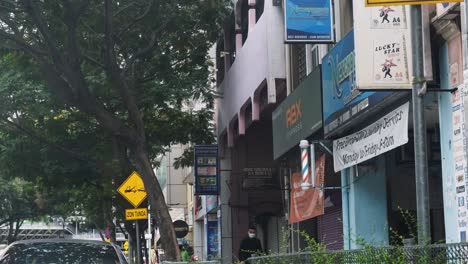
(419, 123)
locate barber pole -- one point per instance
(304, 145)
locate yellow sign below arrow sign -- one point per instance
(405, 2)
(136, 214)
(133, 189)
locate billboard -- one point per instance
(405, 2)
(309, 21)
(383, 61)
(342, 101)
(206, 170)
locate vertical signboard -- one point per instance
(212, 238)
(309, 21)
(342, 101)
(309, 203)
(206, 170)
(383, 61)
(459, 156)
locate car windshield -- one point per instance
(60, 253)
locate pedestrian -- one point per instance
(249, 245)
(184, 255)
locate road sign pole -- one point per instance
(148, 241)
(138, 240)
(420, 154)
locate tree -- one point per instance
(128, 65)
(16, 205)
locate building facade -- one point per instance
(274, 94)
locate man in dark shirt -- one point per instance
(250, 245)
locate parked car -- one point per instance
(62, 251)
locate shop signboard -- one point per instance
(385, 134)
(298, 116)
(405, 2)
(309, 21)
(306, 204)
(206, 170)
(342, 101)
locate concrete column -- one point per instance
(365, 208)
(224, 211)
(345, 176)
(238, 38)
(446, 144)
(252, 14)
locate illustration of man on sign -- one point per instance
(387, 68)
(384, 13)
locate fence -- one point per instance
(433, 254)
(197, 262)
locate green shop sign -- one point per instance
(299, 115)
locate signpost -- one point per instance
(133, 190)
(206, 170)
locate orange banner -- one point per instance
(307, 204)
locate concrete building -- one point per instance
(260, 79)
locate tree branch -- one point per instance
(42, 140)
(141, 52)
(137, 19)
(116, 75)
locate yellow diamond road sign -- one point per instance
(405, 2)
(133, 189)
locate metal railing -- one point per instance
(432, 254)
(194, 262)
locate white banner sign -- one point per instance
(387, 133)
(383, 47)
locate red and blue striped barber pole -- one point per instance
(304, 145)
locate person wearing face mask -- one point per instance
(249, 245)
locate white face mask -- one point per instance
(251, 235)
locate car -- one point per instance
(62, 251)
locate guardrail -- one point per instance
(432, 254)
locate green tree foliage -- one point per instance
(106, 82)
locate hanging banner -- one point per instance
(309, 21)
(405, 2)
(384, 61)
(387, 133)
(310, 203)
(206, 170)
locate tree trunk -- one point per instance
(158, 203)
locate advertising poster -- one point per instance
(387, 54)
(387, 133)
(309, 21)
(206, 170)
(212, 239)
(459, 156)
(342, 101)
(310, 203)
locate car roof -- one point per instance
(59, 240)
